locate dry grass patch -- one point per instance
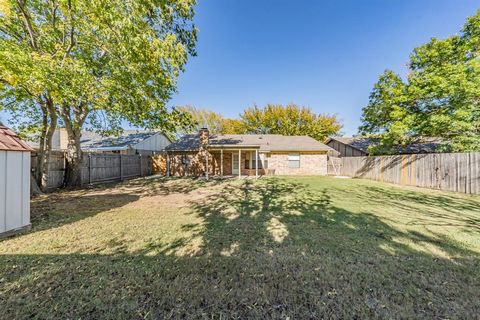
(273, 248)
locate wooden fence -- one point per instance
(98, 168)
(458, 172)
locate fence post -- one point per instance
(121, 171)
(89, 168)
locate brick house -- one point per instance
(246, 155)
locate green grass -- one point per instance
(312, 247)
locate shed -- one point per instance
(14, 183)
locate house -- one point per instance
(358, 146)
(248, 154)
(14, 183)
(128, 142)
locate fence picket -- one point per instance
(98, 167)
(458, 172)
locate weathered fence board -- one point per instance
(98, 167)
(458, 172)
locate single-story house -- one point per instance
(128, 142)
(247, 154)
(14, 183)
(358, 146)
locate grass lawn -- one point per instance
(310, 247)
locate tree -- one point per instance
(100, 62)
(24, 87)
(233, 126)
(202, 118)
(440, 97)
(289, 120)
(212, 120)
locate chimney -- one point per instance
(204, 138)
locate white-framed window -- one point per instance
(250, 162)
(294, 160)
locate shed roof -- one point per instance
(264, 142)
(11, 142)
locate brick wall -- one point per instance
(310, 164)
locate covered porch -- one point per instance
(237, 162)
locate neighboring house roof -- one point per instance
(424, 145)
(11, 142)
(264, 142)
(92, 140)
(359, 143)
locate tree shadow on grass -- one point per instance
(437, 209)
(68, 206)
(161, 186)
(267, 249)
(57, 209)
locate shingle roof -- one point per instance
(93, 140)
(360, 143)
(11, 142)
(423, 145)
(265, 142)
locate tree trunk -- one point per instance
(74, 158)
(74, 117)
(49, 124)
(41, 147)
(34, 189)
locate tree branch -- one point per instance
(28, 24)
(72, 32)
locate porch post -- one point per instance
(206, 165)
(256, 163)
(168, 165)
(239, 163)
(221, 163)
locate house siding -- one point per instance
(345, 150)
(310, 163)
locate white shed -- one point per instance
(14, 183)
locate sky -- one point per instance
(326, 55)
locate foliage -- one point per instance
(289, 120)
(214, 121)
(202, 118)
(440, 97)
(100, 61)
(233, 126)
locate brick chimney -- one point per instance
(204, 138)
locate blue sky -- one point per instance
(323, 54)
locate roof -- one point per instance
(359, 143)
(128, 138)
(264, 142)
(11, 142)
(423, 145)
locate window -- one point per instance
(294, 160)
(250, 162)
